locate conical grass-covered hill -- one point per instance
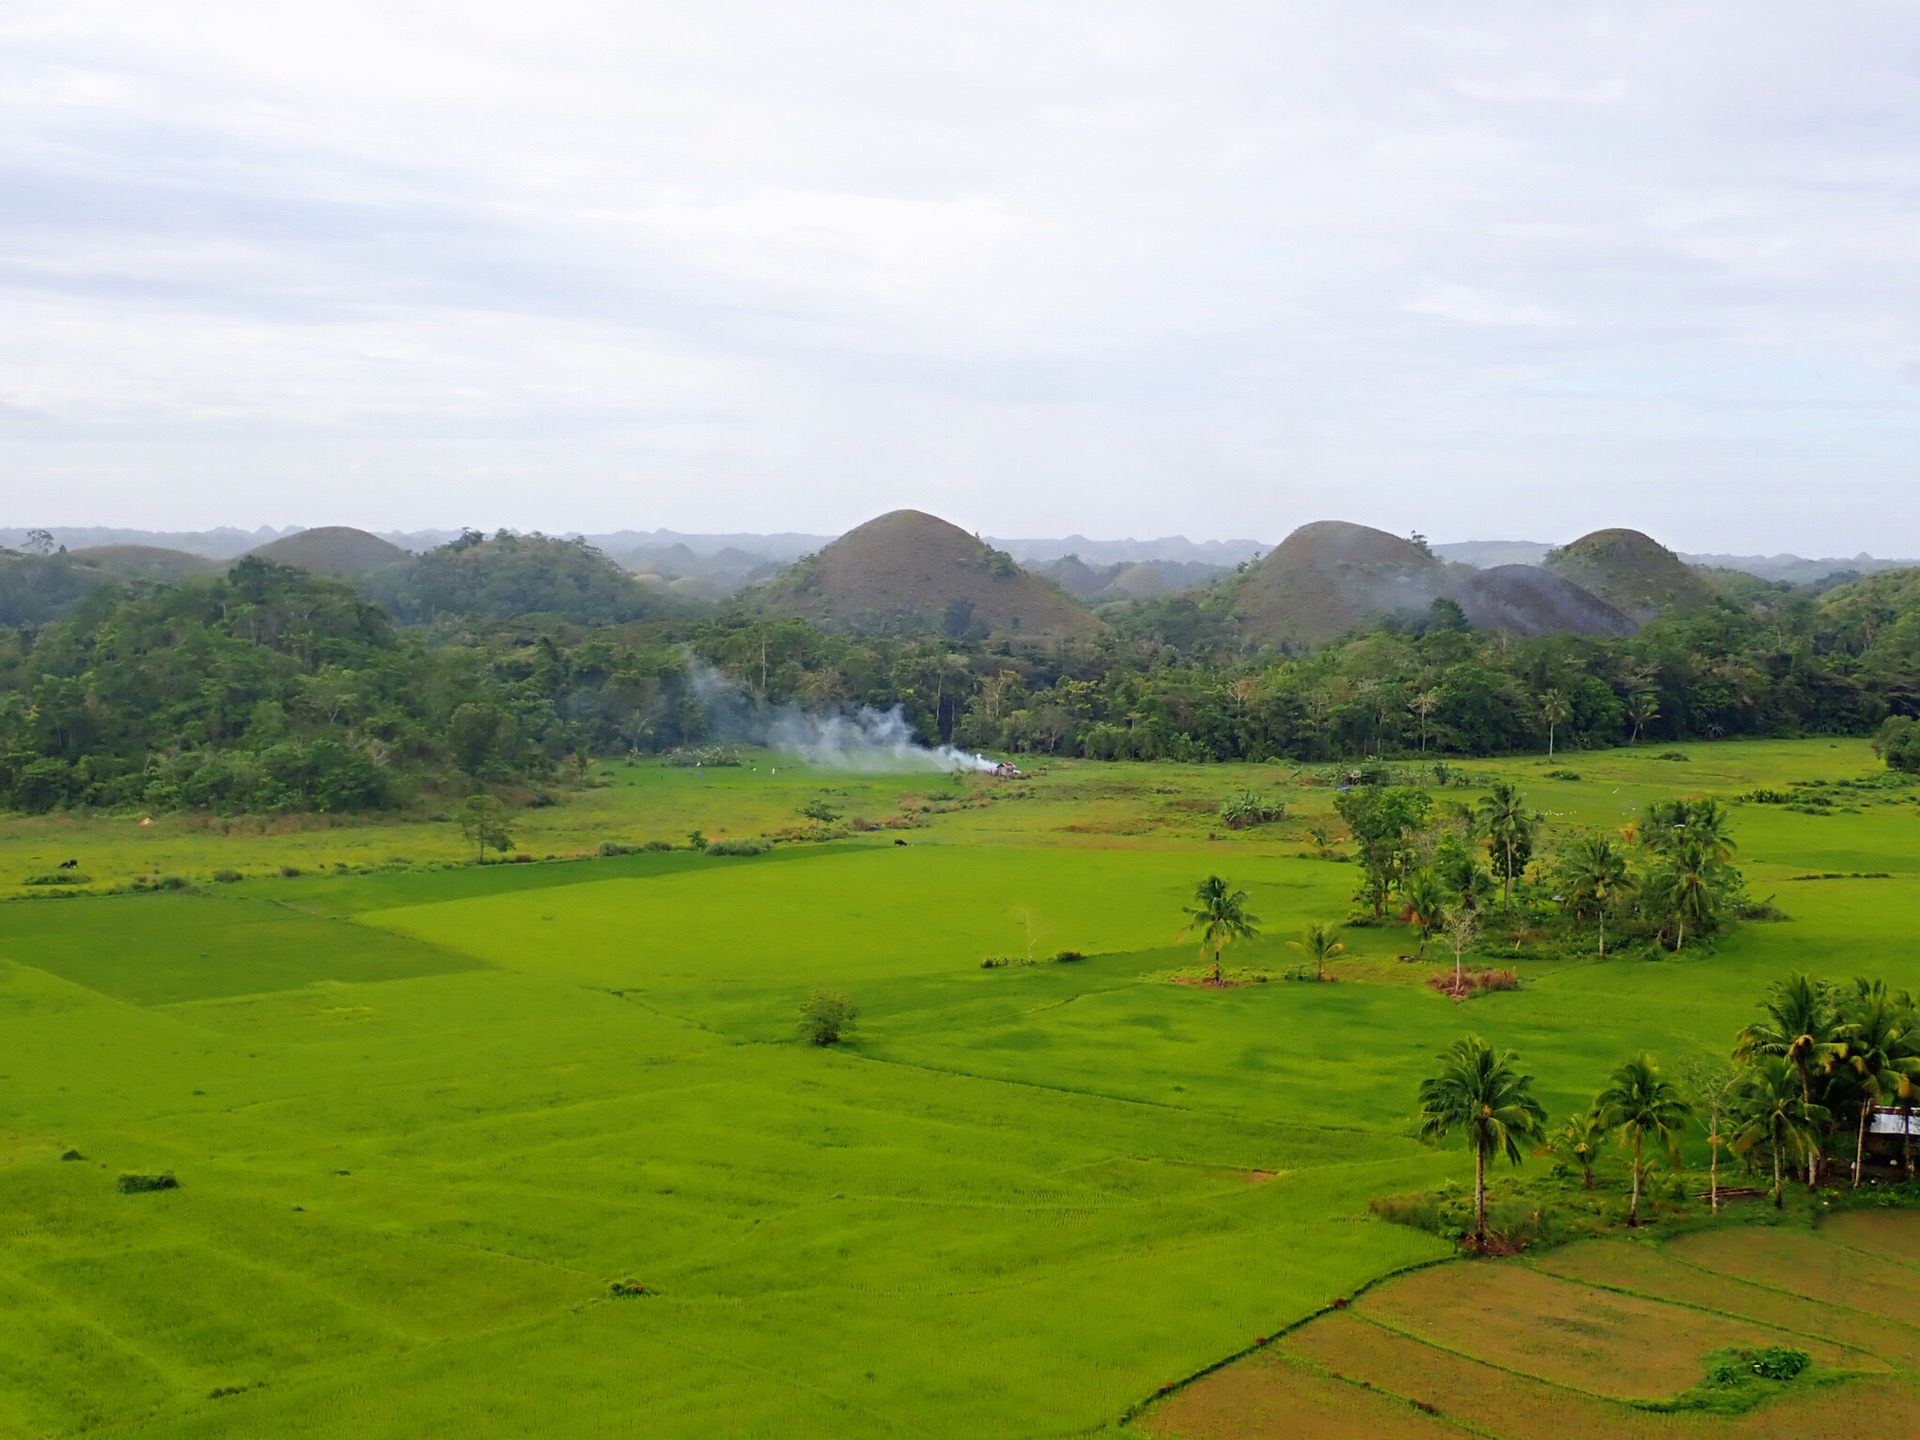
(1630, 571)
(333, 550)
(912, 573)
(1326, 577)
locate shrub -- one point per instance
(657, 845)
(59, 877)
(163, 882)
(610, 848)
(746, 845)
(1679, 755)
(704, 755)
(1250, 808)
(1562, 775)
(626, 1289)
(827, 1015)
(290, 872)
(1066, 957)
(133, 1184)
(227, 877)
(1761, 795)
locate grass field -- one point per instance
(1574, 1346)
(423, 1117)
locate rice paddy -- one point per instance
(537, 1149)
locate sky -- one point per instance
(1116, 268)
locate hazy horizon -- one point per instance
(1115, 269)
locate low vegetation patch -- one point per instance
(137, 1184)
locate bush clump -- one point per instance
(136, 1184)
(826, 1016)
(59, 877)
(227, 877)
(688, 757)
(746, 845)
(627, 1289)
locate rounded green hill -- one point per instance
(1630, 570)
(333, 550)
(1325, 577)
(910, 572)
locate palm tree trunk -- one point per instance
(1779, 1182)
(1860, 1142)
(1633, 1205)
(1603, 934)
(1480, 1193)
(1713, 1166)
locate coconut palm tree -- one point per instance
(1638, 1105)
(1579, 1140)
(1713, 1086)
(1555, 709)
(1643, 710)
(1510, 828)
(1480, 1093)
(1875, 1050)
(1423, 705)
(1774, 1111)
(1797, 1026)
(1220, 916)
(1321, 941)
(1425, 902)
(1596, 878)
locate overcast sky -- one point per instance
(1484, 271)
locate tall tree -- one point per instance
(1639, 1104)
(1594, 879)
(1425, 905)
(1219, 914)
(1774, 1112)
(1713, 1087)
(1555, 709)
(1643, 709)
(1479, 1093)
(1797, 1024)
(1510, 831)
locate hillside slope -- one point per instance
(1630, 571)
(1526, 600)
(909, 572)
(1325, 577)
(333, 550)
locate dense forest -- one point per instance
(268, 687)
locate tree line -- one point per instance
(512, 658)
(1808, 1075)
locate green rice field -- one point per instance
(425, 1115)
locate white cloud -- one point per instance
(1110, 267)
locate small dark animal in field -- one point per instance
(69, 865)
(899, 842)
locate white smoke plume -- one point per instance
(861, 739)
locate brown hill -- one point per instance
(1324, 578)
(1631, 571)
(1136, 582)
(911, 572)
(333, 550)
(144, 562)
(1526, 600)
(1075, 576)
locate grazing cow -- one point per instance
(899, 842)
(69, 865)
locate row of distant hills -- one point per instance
(908, 571)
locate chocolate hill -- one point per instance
(333, 550)
(1631, 571)
(1327, 577)
(909, 572)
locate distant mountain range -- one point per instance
(731, 559)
